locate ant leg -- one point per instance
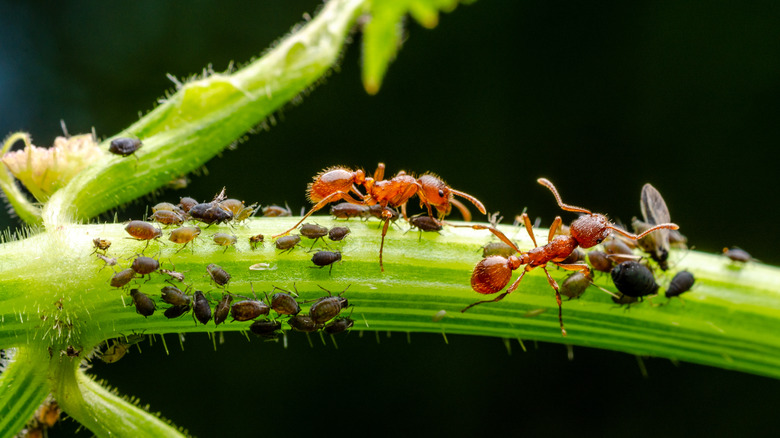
(496, 232)
(333, 197)
(529, 227)
(500, 297)
(379, 173)
(554, 285)
(553, 228)
(382, 245)
(403, 211)
(462, 209)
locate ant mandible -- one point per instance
(494, 272)
(338, 183)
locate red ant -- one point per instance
(339, 183)
(494, 272)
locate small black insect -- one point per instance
(287, 243)
(303, 323)
(634, 279)
(682, 282)
(174, 296)
(337, 234)
(219, 275)
(124, 146)
(499, 249)
(737, 255)
(143, 265)
(325, 258)
(265, 328)
(575, 285)
(210, 213)
(346, 210)
(143, 304)
(599, 261)
(248, 309)
(176, 311)
(313, 231)
(327, 308)
(339, 325)
(284, 303)
(425, 223)
(255, 240)
(201, 308)
(222, 309)
(121, 278)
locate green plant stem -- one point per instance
(23, 387)
(206, 115)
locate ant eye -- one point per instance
(441, 193)
(599, 240)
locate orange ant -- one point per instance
(494, 272)
(340, 183)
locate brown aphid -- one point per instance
(346, 210)
(284, 303)
(313, 231)
(624, 300)
(176, 311)
(143, 265)
(493, 273)
(201, 308)
(101, 244)
(327, 308)
(248, 309)
(232, 205)
(303, 323)
(380, 213)
(109, 261)
(497, 248)
(173, 274)
(210, 213)
(184, 235)
(223, 309)
(167, 217)
(48, 413)
(141, 230)
(186, 203)
(121, 278)
(325, 258)
(255, 240)
(425, 223)
(124, 146)
(599, 261)
(266, 328)
(143, 304)
(337, 234)
(339, 325)
(575, 285)
(167, 206)
(226, 240)
(219, 275)
(576, 256)
(738, 255)
(277, 211)
(174, 296)
(287, 243)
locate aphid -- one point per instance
(211, 212)
(143, 304)
(141, 230)
(493, 273)
(425, 223)
(124, 146)
(143, 265)
(313, 231)
(654, 212)
(48, 413)
(575, 284)
(121, 278)
(576, 256)
(167, 206)
(248, 309)
(346, 210)
(201, 308)
(186, 203)
(634, 279)
(380, 213)
(337, 234)
(173, 274)
(438, 316)
(738, 255)
(265, 328)
(682, 282)
(287, 243)
(325, 258)
(219, 275)
(339, 183)
(101, 245)
(238, 209)
(277, 211)
(303, 323)
(223, 309)
(109, 261)
(326, 308)
(599, 261)
(498, 249)
(174, 296)
(224, 239)
(184, 235)
(339, 325)
(624, 300)
(167, 217)
(284, 303)
(255, 240)
(176, 311)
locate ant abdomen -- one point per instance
(493, 273)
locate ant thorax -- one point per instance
(591, 229)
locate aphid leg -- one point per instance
(530, 228)
(500, 297)
(554, 285)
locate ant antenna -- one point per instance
(545, 182)
(646, 232)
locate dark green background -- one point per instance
(599, 98)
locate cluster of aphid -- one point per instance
(45, 417)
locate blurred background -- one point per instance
(600, 99)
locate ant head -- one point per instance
(436, 193)
(493, 273)
(591, 229)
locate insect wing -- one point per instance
(655, 212)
